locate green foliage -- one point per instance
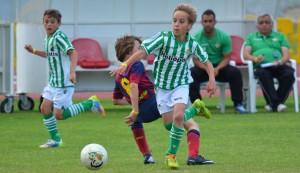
(261, 142)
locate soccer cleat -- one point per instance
(52, 144)
(148, 159)
(239, 109)
(171, 161)
(97, 108)
(198, 161)
(202, 110)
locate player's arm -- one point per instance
(30, 49)
(73, 57)
(199, 64)
(134, 96)
(138, 55)
(121, 102)
(211, 85)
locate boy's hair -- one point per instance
(53, 13)
(192, 11)
(124, 46)
(209, 12)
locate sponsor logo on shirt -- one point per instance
(172, 58)
(51, 54)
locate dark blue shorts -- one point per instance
(148, 111)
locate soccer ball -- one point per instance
(93, 156)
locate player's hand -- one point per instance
(28, 47)
(130, 119)
(73, 77)
(211, 88)
(117, 71)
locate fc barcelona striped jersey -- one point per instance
(56, 47)
(171, 59)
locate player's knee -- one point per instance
(179, 117)
(45, 110)
(168, 126)
(58, 115)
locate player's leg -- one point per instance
(165, 108)
(64, 102)
(141, 141)
(148, 112)
(193, 141)
(50, 120)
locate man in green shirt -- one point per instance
(269, 52)
(218, 46)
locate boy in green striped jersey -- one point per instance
(173, 50)
(62, 61)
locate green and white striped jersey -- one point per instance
(56, 47)
(172, 57)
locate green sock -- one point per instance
(76, 109)
(190, 112)
(50, 123)
(175, 138)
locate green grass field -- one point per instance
(261, 142)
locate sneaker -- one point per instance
(198, 161)
(171, 161)
(281, 108)
(203, 111)
(239, 109)
(268, 108)
(52, 144)
(97, 108)
(148, 159)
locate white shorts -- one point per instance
(61, 97)
(167, 99)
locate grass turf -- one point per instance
(260, 142)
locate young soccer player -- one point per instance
(173, 50)
(135, 86)
(62, 61)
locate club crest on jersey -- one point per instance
(188, 51)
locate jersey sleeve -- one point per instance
(227, 44)
(136, 72)
(153, 43)
(284, 42)
(200, 54)
(117, 94)
(63, 43)
(248, 41)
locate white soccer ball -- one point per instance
(93, 156)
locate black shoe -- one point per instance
(198, 161)
(148, 159)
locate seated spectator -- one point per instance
(269, 52)
(218, 46)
